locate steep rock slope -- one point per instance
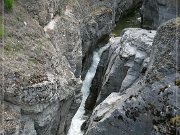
(41, 69)
(37, 86)
(151, 104)
(86, 27)
(121, 65)
(156, 12)
(44, 10)
(98, 24)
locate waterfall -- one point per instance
(79, 117)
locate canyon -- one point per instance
(64, 71)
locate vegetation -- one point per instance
(11, 47)
(177, 82)
(33, 60)
(1, 27)
(8, 46)
(176, 120)
(18, 47)
(8, 4)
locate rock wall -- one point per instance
(156, 12)
(97, 26)
(122, 65)
(45, 45)
(86, 27)
(44, 10)
(149, 105)
(37, 84)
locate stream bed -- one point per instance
(131, 20)
(80, 117)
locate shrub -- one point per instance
(9, 46)
(1, 28)
(9, 4)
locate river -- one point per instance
(79, 117)
(129, 21)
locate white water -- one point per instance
(79, 117)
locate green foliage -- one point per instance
(39, 47)
(33, 60)
(18, 47)
(8, 47)
(1, 27)
(19, 17)
(8, 4)
(11, 47)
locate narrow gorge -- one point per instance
(89, 67)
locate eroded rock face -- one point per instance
(35, 80)
(98, 24)
(150, 104)
(86, 27)
(44, 10)
(121, 65)
(47, 62)
(156, 12)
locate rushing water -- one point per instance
(79, 117)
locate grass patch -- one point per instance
(8, 4)
(19, 17)
(9, 46)
(18, 47)
(33, 60)
(1, 28)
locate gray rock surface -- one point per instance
(121, 65)
(44, 79)
(35, 78)
(156, 12)
(151, 104)
(98, 24)
(41, 68)
(44, 10)
(78, 26)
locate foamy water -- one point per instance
(79, 117)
